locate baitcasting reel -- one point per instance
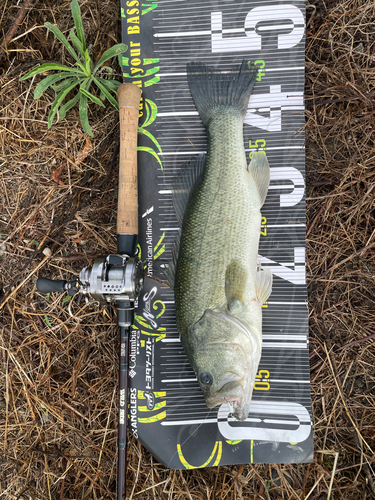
(112, 279)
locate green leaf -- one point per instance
(67, 106)
(49, 67)
(102, 94)
(77, 42)
(111, 85)
(66, 299)
(91, 97)
(55, 30)
(83, 115)
(76, 13)
(46, 318)
(64, 84)
(89, 71)
(48, 81)
(106, 93)
(112, 52)
(83, 108)
(58, 101)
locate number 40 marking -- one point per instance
(274, 104)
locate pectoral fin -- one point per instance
(260, 170)
(235, 283)
(263, 284)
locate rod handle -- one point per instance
(129, 96)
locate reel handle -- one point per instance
(45, 285)
(129, 96)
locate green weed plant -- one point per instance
(83, 74)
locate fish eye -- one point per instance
(205, 378)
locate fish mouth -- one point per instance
(240, 412)
(230, 392)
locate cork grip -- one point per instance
(129, 96)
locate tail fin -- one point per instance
(213, 90)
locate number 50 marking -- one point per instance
(252, 41)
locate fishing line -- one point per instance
(190, 436)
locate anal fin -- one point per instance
(263, 284)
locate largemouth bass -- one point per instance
(218, 287)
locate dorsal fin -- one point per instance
(183, 183)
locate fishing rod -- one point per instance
(118, 278)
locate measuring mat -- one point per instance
(167, 411)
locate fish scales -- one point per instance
(222, 223)
(218, 289)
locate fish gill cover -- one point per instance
(167, 411)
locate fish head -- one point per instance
(226, 360)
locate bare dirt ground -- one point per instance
(58, 397)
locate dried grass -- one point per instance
(58, 375)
